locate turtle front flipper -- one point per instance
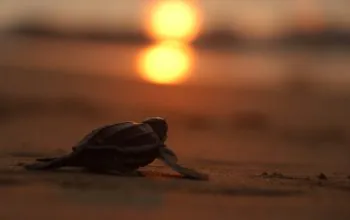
(170, 159)
(47, 164)
(169, 154)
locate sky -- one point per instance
(262, 17)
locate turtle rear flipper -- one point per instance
(49, 163)
(170, 159)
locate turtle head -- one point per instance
(159, 126)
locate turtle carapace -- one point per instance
(122, 147)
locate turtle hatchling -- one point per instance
(122, 148)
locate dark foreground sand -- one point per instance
(235, 191)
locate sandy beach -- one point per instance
(245, 182)
(269, 154)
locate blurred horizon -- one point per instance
(249, 17)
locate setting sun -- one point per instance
(176, 20)
(165, 63)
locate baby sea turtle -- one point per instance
(122, 147)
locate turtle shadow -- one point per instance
(134, 174)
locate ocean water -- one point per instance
(328, 68)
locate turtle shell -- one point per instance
(100, 135)
(122, 146)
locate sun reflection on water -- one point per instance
(165, 63)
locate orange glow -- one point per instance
(165, 63)
(176, 20)
(309, 16)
